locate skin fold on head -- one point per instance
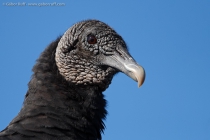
(91, 52)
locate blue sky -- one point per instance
(170, 39)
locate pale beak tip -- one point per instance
(136, 72)
(140, 82)
(141, 78)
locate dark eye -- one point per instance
(91, 39)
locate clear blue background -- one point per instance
(169, 38)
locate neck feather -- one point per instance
(54, 106)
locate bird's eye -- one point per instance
(91, 39)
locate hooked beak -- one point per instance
(136, 72)
(124, 62)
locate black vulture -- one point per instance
(64, 100)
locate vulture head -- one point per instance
(91, 52)
(64, 98)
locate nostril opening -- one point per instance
(121, 55)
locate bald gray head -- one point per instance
(91, 52)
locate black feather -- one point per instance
(67, 111)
